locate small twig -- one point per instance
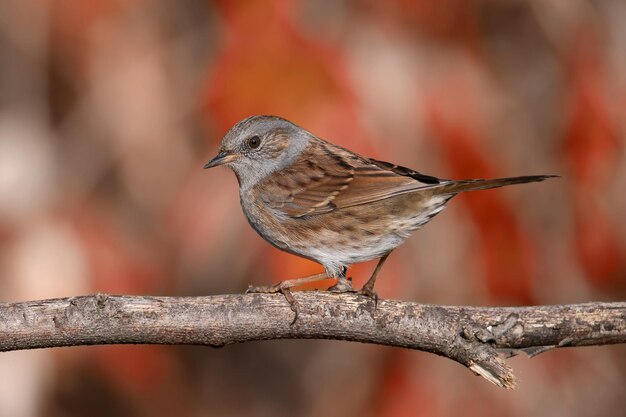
(472, 336)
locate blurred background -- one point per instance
(109, 108)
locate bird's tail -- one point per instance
(455, 187)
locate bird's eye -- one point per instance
(254, 142)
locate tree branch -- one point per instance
(473, 336)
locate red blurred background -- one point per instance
(108, 109)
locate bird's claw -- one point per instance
(283, 288)
(370, 293)
(264, 289)
(343, 285)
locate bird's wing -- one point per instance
(328, 177)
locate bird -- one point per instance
(323, 202)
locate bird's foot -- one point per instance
(267, 289)
(370, 293)
(342, 285)
(282, 287)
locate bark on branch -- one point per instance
(477, 337)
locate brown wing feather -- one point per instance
(327, 177)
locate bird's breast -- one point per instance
(264, 221)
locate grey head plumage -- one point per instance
(258, 146)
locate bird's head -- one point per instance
(259, 145)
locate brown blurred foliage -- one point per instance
(109, 108)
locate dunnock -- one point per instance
(323, 202)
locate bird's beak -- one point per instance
(223, 157)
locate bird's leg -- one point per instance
(368, 288)
(342, 284)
